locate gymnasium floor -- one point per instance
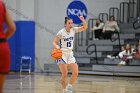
(49, 83)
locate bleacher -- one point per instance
(92, 58)
(91, 55)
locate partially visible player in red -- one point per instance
(4, 47)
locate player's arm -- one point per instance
(84, 26)
(55, 42)
(121, 54)
(10, 25)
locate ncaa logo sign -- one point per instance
(76, 9)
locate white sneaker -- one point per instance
(96, 39)
(117, 57)
(122, 63)
(110, 57)
(69, 88)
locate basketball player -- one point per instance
(66, 37)
(4, 48)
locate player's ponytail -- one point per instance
(66, 19)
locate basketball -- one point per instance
(56, 54)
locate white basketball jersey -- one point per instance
(67, 38)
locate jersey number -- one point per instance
(69, 44)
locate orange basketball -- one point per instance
(56, 54)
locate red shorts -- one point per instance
(4, 58)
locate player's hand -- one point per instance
(81, 18)
(57, 47)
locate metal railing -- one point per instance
(132, 9)
(138, 8)
(79, 38)
(89, 33)
(136, 24)
(124, 12)
(128, 10)
(118, 38)
(103, 16)
(91, 52)
(113, 11)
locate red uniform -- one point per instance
(4, 47)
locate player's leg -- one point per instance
(74, 69)
(4, 63)
(64, 71)
(2, 80)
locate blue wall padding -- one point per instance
(22, 44)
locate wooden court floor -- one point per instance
(49, 83)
